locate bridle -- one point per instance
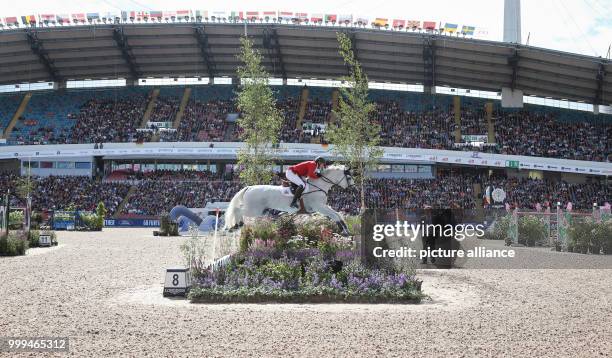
(345, 176)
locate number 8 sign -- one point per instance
(177, 281)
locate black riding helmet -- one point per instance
(319, 160)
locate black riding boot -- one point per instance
(296, 197)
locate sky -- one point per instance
(578, 26)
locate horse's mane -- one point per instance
(336, 167)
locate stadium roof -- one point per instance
(293, 51)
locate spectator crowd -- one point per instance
(516, 132)
(157, 192)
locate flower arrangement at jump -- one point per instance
(284, 262)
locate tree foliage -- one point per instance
(24, 187)
(260, 120)
(355, 136)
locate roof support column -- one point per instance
(601, 74)
(202, 38)
(429, 65)
(511, 96)
(42, 54)
(126, 52)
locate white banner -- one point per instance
(227, 150)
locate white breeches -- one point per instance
(294, 178)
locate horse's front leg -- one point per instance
(332, 214)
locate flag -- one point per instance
(11, 20)
(429, 25)
(269, 15)
(399, 24)
(468, 30)
(47, 18)
(183, 14)
(301, 16)
(63, 18)
(111, 16)
(155, 14)
(331, 18)
(93, 16)
(413, 24)
(450, 28)
(316, 18)
(361, 20)
(252, 15)
(569, 206)
(482, 31)
(78, 18)
(381, 22)
(141, 15)
(285, 15)
(124, 15)
(169, 15)
(345, 19)
(28, 19)
(236, 15)
(219, 15)
(201, 14)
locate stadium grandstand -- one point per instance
(138, 111)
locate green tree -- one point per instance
(260, 120)
(100, 215)
(355, 136)
(24, 187)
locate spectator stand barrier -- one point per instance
(64, 220)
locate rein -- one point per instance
(329, 181)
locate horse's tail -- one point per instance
(233, 213)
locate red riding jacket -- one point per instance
(304, 169)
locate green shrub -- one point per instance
(16, 220)
(353, 223)
(280, 271)
(36, 220)
(167, 227)
(15, 244)
(286, 229)
(500, 228)
(100, 215)
(590, 236)
(605, 230)
(246, 238)
(90, 221)
(313, 228)
(580, 233)
(531, 230)
(263, 230)
(33, 236)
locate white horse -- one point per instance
(253, 200)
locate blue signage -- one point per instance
(131, 223)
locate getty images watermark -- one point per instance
(460, 238)
(411, 231)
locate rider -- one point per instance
(309, 169)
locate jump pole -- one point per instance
(216, 229)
